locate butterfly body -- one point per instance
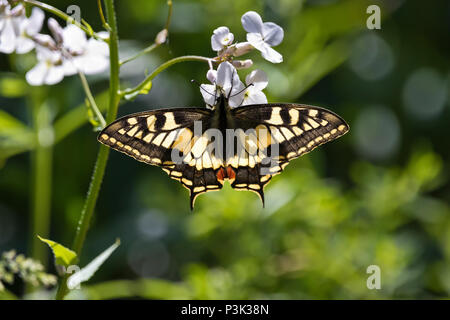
(202, 147)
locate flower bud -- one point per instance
(211, 75)
(242, 64)
(45, 40)
(242, 48)
(56, 30)
(161, 37)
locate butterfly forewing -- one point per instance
(283, 132)
(167, 138)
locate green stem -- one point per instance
(161, 68)
(103, 153)
(41, 160)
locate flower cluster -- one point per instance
(261, 36)
(65, 53)
(28, 269)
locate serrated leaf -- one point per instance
(88, 271)
(63, 256)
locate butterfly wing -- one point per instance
(278, 133)
(169, 139)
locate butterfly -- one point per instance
(203, 147)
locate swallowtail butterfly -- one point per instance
(203, 147)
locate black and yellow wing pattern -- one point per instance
(156, 137)
(282, 132)
(264, 138)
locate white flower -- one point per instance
(251, 93)
(89, 56)
(28, 29)
(225, 82)
(263, 36)
(72, 52)
(50, 68)
(256, 81)
(221, 38)
(10, 20)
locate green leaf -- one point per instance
(87, 272)
(63, 256)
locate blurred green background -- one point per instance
(377, 196)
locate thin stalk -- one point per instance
(149, 49)
(161, 68)
(91, 99)
(102, 157)
(102, 16)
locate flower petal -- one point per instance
(69, 68)
(34, 22)
(237, 95)
(267, 52)
(272, 33)
(74, 38)
(209, 93)
(252, 22)
(226, 75)
(91, 63)
(255, 97)
(36, 75)
(258, 79)
(55, 74)
(271, 55)
(98, 47)
(24, 45)
(8, 37)
(256, 40)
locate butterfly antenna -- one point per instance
(245, 88)
(201, 88)
(231, 89)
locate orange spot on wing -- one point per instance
(221, 174)
(227, 173)
(230, 173)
